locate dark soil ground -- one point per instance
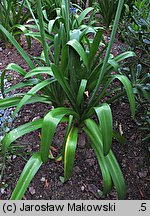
(133, 156)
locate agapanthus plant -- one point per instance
(80, 73)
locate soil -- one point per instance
(132, 156)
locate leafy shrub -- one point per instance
(50, 8)
(107, 9)
(137, 33)
(140, 79)
(13, 14)
(77, 79)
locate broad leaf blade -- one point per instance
(39, 70)
(93, 132)
(18, 47)
(105, 119)
(81, 91)
(17, 68)
(116, 175)
(95, 45)
(35, 89)
(79, 49)
(20, 131)
(27, 175)
(50, 122)
(69, 155)
(14, 101)
(129, 90)
(84, 14)
(29, 82)
(64, 84)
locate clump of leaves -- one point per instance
(137, 33)
(13, 14)
(76, 71)
(140, 79)
(107, 9)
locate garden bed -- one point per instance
(133, 156)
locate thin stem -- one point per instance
(35, 20)
(42, 31)
(102, 72)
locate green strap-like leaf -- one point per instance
(84, 14)
(20, 131)
(65, 85)
(110, 165)
(29, 82)
(24, 31)
(39, 70)
(17, 68)
(129, 90)
(105, 119)
(79, 49)
(94, 46)
(15, 100)
(27, 175)
(70, 150)
(50, 122)
(9, 102)
(81, 91)
(18, 47)
(121, 139)
(70, 121)
(93, 132)
(116, 175)
(42, 32)
(35, 89)
(112, 37)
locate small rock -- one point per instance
(82, 188)
(32, 190)
(14, 157)
(42, 179)
(1, 49)
(35, 118)
(0, 63)
(7, 129)
(28, 111)
(26, 118)
(29, 149)
(2, 190)
(94, 190)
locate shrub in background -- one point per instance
(137, 33)
(107, 9)
(140, 79)
(75, 72)
(13, 14)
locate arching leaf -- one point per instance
(50, 122)
(27, 175)
(69, 156)
(93, 132)
(105, 120)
